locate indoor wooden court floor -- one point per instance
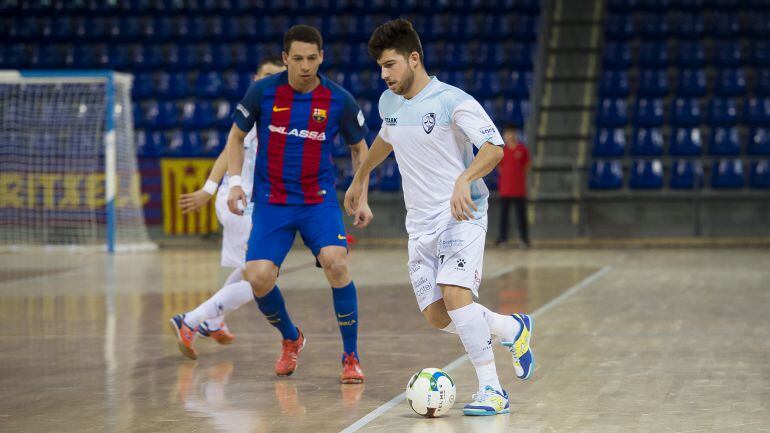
(625, 340)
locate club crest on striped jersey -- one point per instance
(319, 115)
(428, 122)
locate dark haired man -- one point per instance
(432, 128)
(297, 114)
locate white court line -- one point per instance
(371, 416)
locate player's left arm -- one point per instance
(354, 130)
(471, 118)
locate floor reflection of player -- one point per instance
(204, 393)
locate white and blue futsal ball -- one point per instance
(431, 392)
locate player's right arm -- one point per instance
(196, 200)
(234, 150)
(356, 193)
(244, 117)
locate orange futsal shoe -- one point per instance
(287, 363)
(185, 336)
(351, 369)
(221, 335)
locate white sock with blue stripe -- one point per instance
(475, 336)
(500, 325)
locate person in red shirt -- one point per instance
(513, 185)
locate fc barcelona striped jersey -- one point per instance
(295, 133)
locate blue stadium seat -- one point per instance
(515, 111)
(85, 56)
(686, 142)
(160, 115)
(606, 175)
(390, 178)
(727, 174)
(118, 57)
(653, 55)
(730, 82)
(213, 28)
(691, 54)
(175, 143)
(231, 85)
(759, 141)
(198, 115)
(725, 25)
(207, 57)
(653, 26)
(646, 174)
(686, 174)
(525, 28)
(759, 25)
(655, 6)
(612, 113)
(647, 142)
(722, 112)
(687, 25)
(47, 57)
(339, 148)
(687, 5)
(212, 142)
(492, 180)
(727, 54)
(518, 55)
(724, 5)
(762, 85)
(685, 112)
(622, 6)
(208, 85)
(484, 84)
(457, 79)
(617, 55)
(62, 28)
(648, 112)
(759, 176)
(692, 82)
(147, 57)
(143, 86)
(725, 142)
(517, 83)
(619, 27)
(614, 84)
(653, 83)
(192, 144)
(609, 142)
(171, 86)
(138, 114)
(150, 143)
(222, 110)
(757, 111)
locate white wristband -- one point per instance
(210, 187)
(235, 181)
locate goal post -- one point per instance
(69, 174)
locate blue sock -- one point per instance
(274, 309)
(346, 309)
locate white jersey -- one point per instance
(247, 170)
(433, 135)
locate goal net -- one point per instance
(68, 167)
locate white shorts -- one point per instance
(452, 255)
(235, 233)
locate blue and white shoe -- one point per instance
(523, 358)
(488, 402)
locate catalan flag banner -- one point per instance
(182, 176)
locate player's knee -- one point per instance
(437, 316)
(337, 269)
(261, 278)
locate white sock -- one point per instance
(475, 336)
(500, 325)
(234, 277)
(227, 299)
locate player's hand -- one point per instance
(235, 197)
(353, 197)
(363, 215)
(461, 205)
(193, 201)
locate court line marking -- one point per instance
(371, 416)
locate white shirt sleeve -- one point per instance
(474, 122)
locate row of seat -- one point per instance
(223, 56)
(682, 142)
(691, 54)
(202, 114)
(263, 6)
(261, 27)
(690, 82)
(684, 112)
(660, 6)
(684, 174)
(687, 26)
(232, 84)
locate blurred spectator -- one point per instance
(513, 185)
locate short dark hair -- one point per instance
(302, 33)
(270, 60)
(398, 35)
(510, 127)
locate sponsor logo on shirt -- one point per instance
(488, 130)
(451, 244)
(428, 122)
(360, 118)
(301, 133)
(414, 267)
(319, 115)
(460, 266)
(243, 110)
(391, 121)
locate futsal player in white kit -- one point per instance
(432, 128)
(208, 318)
